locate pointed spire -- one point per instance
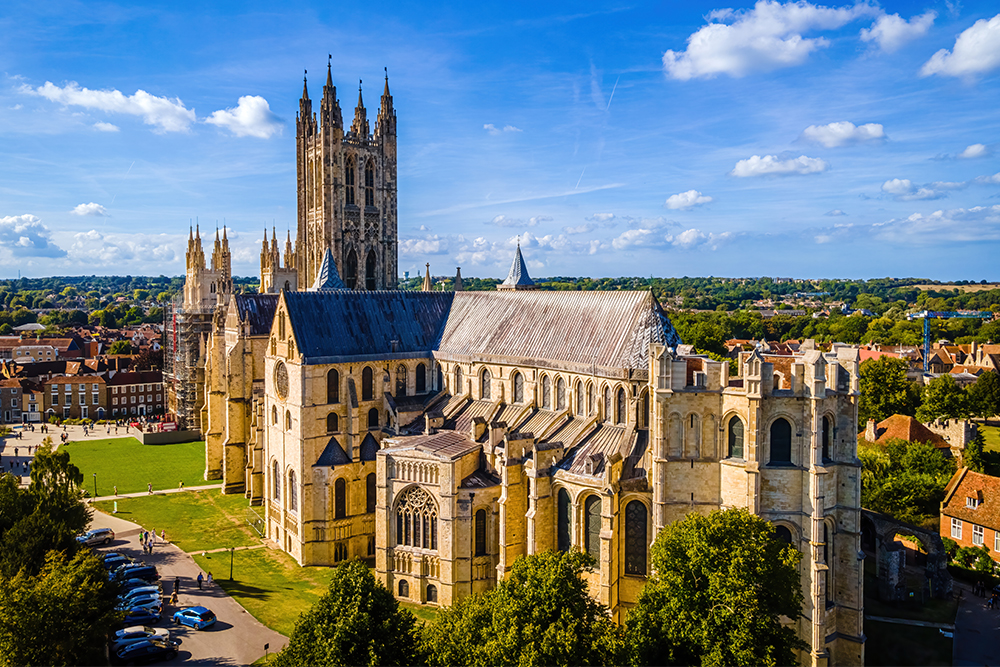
(428, 286)
(305, 85)
(224, 233)
(329, 70)
(459, 287)
(361, 102)
(518, 278)
(385, 93)
(327, 278)
(190, 232)
(197, 232)
(360, 125)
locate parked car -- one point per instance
(96, 536)
(141, 591)
(132, 584)
(136, 633)
(147, 650)
(141, 601)
(141, 616)
(105, 555)
(198, 618)
(137, 571)
(117, 561)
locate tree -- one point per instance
(540, 614)
(357, 622)
(943, 399)
(59, 616)
(885, 391)
(972, 456)
(904, 480)
(120, 347)
(984, 395)
(720, 586)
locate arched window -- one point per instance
(332, 423)
(459, 381)
(635, 538)
(826, 439)
(563, 528)
(370, 269)
(432, 593)
(607, 405)
(369, 183)
(783, 534)
(339, 498)
(404, 589)
(579, 400)
(620, 415)
(293, 492)
(592, 526)
(288, 420)
(367, 384)
(373, 418)
(370, 497)
(480, 532)
(484, 389)
(333, 386)
(421, 378)
(416, 519)
(518, 388)
(350, 180)
(644, 412)
(400, 380)
(781, 442)
(274, 415)
(591, 399)
(546, 393)
(351, 270)
(736, 438)
(276, 480)
(560, 394)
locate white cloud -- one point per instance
(975, 150)
(601, 217)
(890, 31)
(494, 130)
(164, 114)
(536, 219)
(771, 165)
(105, 127)
(767, 37)
(843, 132)
(26, 236)
(638, 238)
(432, 244)
(504, 221)
(902, 189)
(686, 200)
(976, 51)
(692, 238)
(580, 229)
(91, 209)
(252, 117)
(92, 247)
(835, 213)
(958, 225)
(898, 186)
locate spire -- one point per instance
(385, 93)
(427, 287)
(327, 278)
(518, 278)
(360, 125)
(329, 107)
(386, 123)
(329, 70)
(459, 287)
(197, 232)
(224, 233)
(190, 233)
(305, 122)
(305, 85)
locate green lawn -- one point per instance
(194, 520)
(896, 644)
(933, 611)
(991, 437)
(131, 465)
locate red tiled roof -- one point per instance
(907, 428)
(968, 484)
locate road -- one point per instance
(237, 638)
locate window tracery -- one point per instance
(416, 519)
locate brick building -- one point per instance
(11, 402)
(970, 511)
(81, 397)
(135, 394)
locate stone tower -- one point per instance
(203, 288)
(273, 276)
(346, 191)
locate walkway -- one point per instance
(157, 492)
(16, 453)
(976, 630)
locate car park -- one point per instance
(96, 536)
(198, 618)
(148, 650)
(131, 584)
(117, 561)
(141, 616)
(141, 591)
(144, 601)
(137, 571)
(137, 633)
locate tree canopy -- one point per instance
(720, 586)
(885, 391)
(943, 399)
(984, 395)
(904, 480)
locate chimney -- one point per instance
(870, 435)
(428, 425)
(478, 428)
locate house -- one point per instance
(74, 397)
(136, 393)
(970, 511)
(11, 401)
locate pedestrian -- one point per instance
(209, 578)
(173, 599)
(152, 535)
(182, 485)
(15, 451)
(177, 584)
(163, 536)
(200, 578)
(149, 487)
(116, 490)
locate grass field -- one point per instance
(131, 465)
(896, 644)
(193, 520)
(960, 288)
(991, 438)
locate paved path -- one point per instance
(16, 453)
(976, 631)
(237, 638)
(157, 492)
(907, 621)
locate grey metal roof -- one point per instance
(444, 444)
(347, 323)
(257, 310)
(369, 448)
(518, 274)
(328, 278)
(601, 443)
(333, 455)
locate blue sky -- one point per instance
(666, 139)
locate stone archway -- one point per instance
(890, 556)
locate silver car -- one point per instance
(96, 536)
(136, 633)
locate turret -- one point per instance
(330, 108)
(289, 254)
(458, 280)
(427, 280)
(385, 126)
(305, 121)
(360, 125)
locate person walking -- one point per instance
(149, 488)
(163, 536)
(200, 578)
(209, 578)
(177, 584)
(116, 490)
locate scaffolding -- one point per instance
(185, 334)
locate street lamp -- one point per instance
(231, 563)
(95, 485)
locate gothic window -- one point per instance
(644, 413)
(459, 381)
(367, 384)
(339, 551)
(592, 526)
(400, 380)
(274, 415)
(350, 180)
(211, 288)
(781, 442)
(432, 593)
(579, 399)
(620, 407)
(480, 532)
(416, 519)
(288, 420)
(332, 423)
(591, 399)
(518, 388)
(369, 183)
(370, 496)
(276, 479)
(288, 286)
(333, 386)
(371, 545)
(826, 438)
(372, 418)
(546, 393)
(421, 378)
(340, 498)
(563, 528)
(370, 271)
(635, 538)
(560, 394)
(404, 589)
(736, 438)
(783, 534)
(485, 385)
(293, 492)
(607, 404)
(351, 270)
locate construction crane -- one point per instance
(927, 315)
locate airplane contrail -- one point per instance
(613, 92)
(133, 164)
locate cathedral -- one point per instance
(441, 435)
